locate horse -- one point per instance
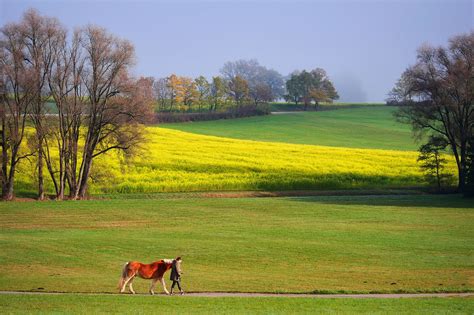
(153, 271)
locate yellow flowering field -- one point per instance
(179, 161)
(176, 161)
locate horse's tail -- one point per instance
(124, 276)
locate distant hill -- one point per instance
(355, 127)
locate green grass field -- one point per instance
(326, 244)
(312, 244)
(85, 304)
(372, 127)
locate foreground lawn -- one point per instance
(372, 127)
(317, 244)
(191, 305)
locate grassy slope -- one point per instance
(188, 305)
(318, 244)
(365, 127)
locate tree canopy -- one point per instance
(438, 97)
(258, 77)
(307, 87)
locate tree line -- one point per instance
(242, 82)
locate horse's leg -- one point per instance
(152, 287)
(125, 282)
(164, 285)
(130, 285)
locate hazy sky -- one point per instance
(363, 45)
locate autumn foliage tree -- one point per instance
(187, 92)
(239, 89)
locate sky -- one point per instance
(364, 45)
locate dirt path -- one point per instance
(282, 295)
(286, 113)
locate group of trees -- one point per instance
(437, 98)
(242, 82)
(249, 79)
(307, 87)
(176, 93)
(98, 105)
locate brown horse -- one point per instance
(153, 271)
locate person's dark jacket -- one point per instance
(176, 271)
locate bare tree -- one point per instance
(16, 90)
(64, 81)
(114, 102)
(95, 97)
(37, 32)
(256, 76)
(100, 107)
(261, 93)
(439, 95)
(162, 93)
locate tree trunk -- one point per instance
(81, 189)
(62, 178)
(3, 172)
(461, 163)
(8, 184)
(7, 191)
(81, 194)
(462, 175)
(40, 169)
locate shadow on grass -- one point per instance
(427, 200)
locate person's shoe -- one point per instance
(181, 293)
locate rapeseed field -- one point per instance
(176, 161)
